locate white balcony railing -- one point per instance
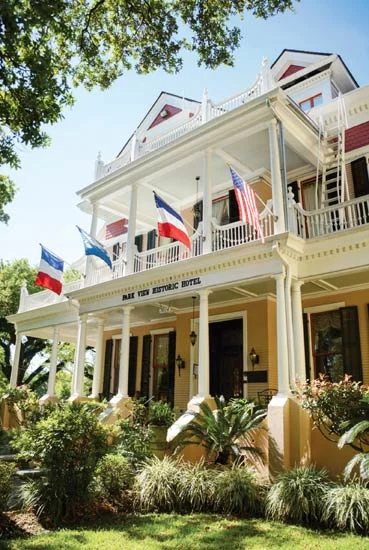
(46, 298)
(206, 112)
(317, 223)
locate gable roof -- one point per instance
(154, 112)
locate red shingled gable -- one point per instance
(357, 136)
(291, 70)
(170, 109)
(116, 228)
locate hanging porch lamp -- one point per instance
(193, 335)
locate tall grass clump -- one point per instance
(196, 487)
(238, 491)
(298, 495)
(157, 485)
(347, 508)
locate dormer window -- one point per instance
(311, 102)
(164, 113)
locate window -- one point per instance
(335, 343)
(327, 339)
(311, 102)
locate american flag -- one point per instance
(245, 197)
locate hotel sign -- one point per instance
(162, 290)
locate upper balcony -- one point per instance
(308, 225)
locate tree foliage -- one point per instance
(46, 48)
(12, 277)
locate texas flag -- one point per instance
(50, 271)
(170, 223)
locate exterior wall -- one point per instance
(321, 87)
(360, 299)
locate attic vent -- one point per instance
(164, 113)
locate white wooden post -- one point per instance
(124, 354)
(130, 256)
(282, 349)
(98, 166)
(81, 357)
(99, 357)
(204, 365)
(207, 203)
(298, 331)
(53, 363)
(275, 167)
(15, 366)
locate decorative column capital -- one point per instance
(204, 293)
(127, 309)
(279, 276)
(296, 285)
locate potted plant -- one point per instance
(160, 417)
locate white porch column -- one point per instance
(298, 331)
(282, 348)
(275, 168)
(204, 367)
(53, 362)
(124, 354)
(80, 356)
(131, 230)
(99, 357)
(15, 366)
(93, 226)
(207, 203)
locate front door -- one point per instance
(226, 358)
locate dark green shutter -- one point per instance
(171, 366)
(151, 239)
(306, 345)
(360, 178)
(233, 207)
(145, 367)
(197, 214)
(132, 368)
(351, 342)
(107, 368)
(138, 242)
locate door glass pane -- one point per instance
(160, 367)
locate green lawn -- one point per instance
(191, 532)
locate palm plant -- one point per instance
(225, 433)
(359, 432)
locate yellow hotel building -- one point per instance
(236, 315)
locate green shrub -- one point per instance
(134, 437)
(68, 445)
(196, 487)
(6, 475)
(113, 475)
(298, 495)
(347, 507)
(157, 485)
(161, 414)
(238, 491)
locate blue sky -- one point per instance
(45, 210)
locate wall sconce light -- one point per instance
(254, 358)
(193, 335)
(180, 364)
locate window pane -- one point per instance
(317, 100)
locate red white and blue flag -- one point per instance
(171, 223)
(50, 272)
(246, 201)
